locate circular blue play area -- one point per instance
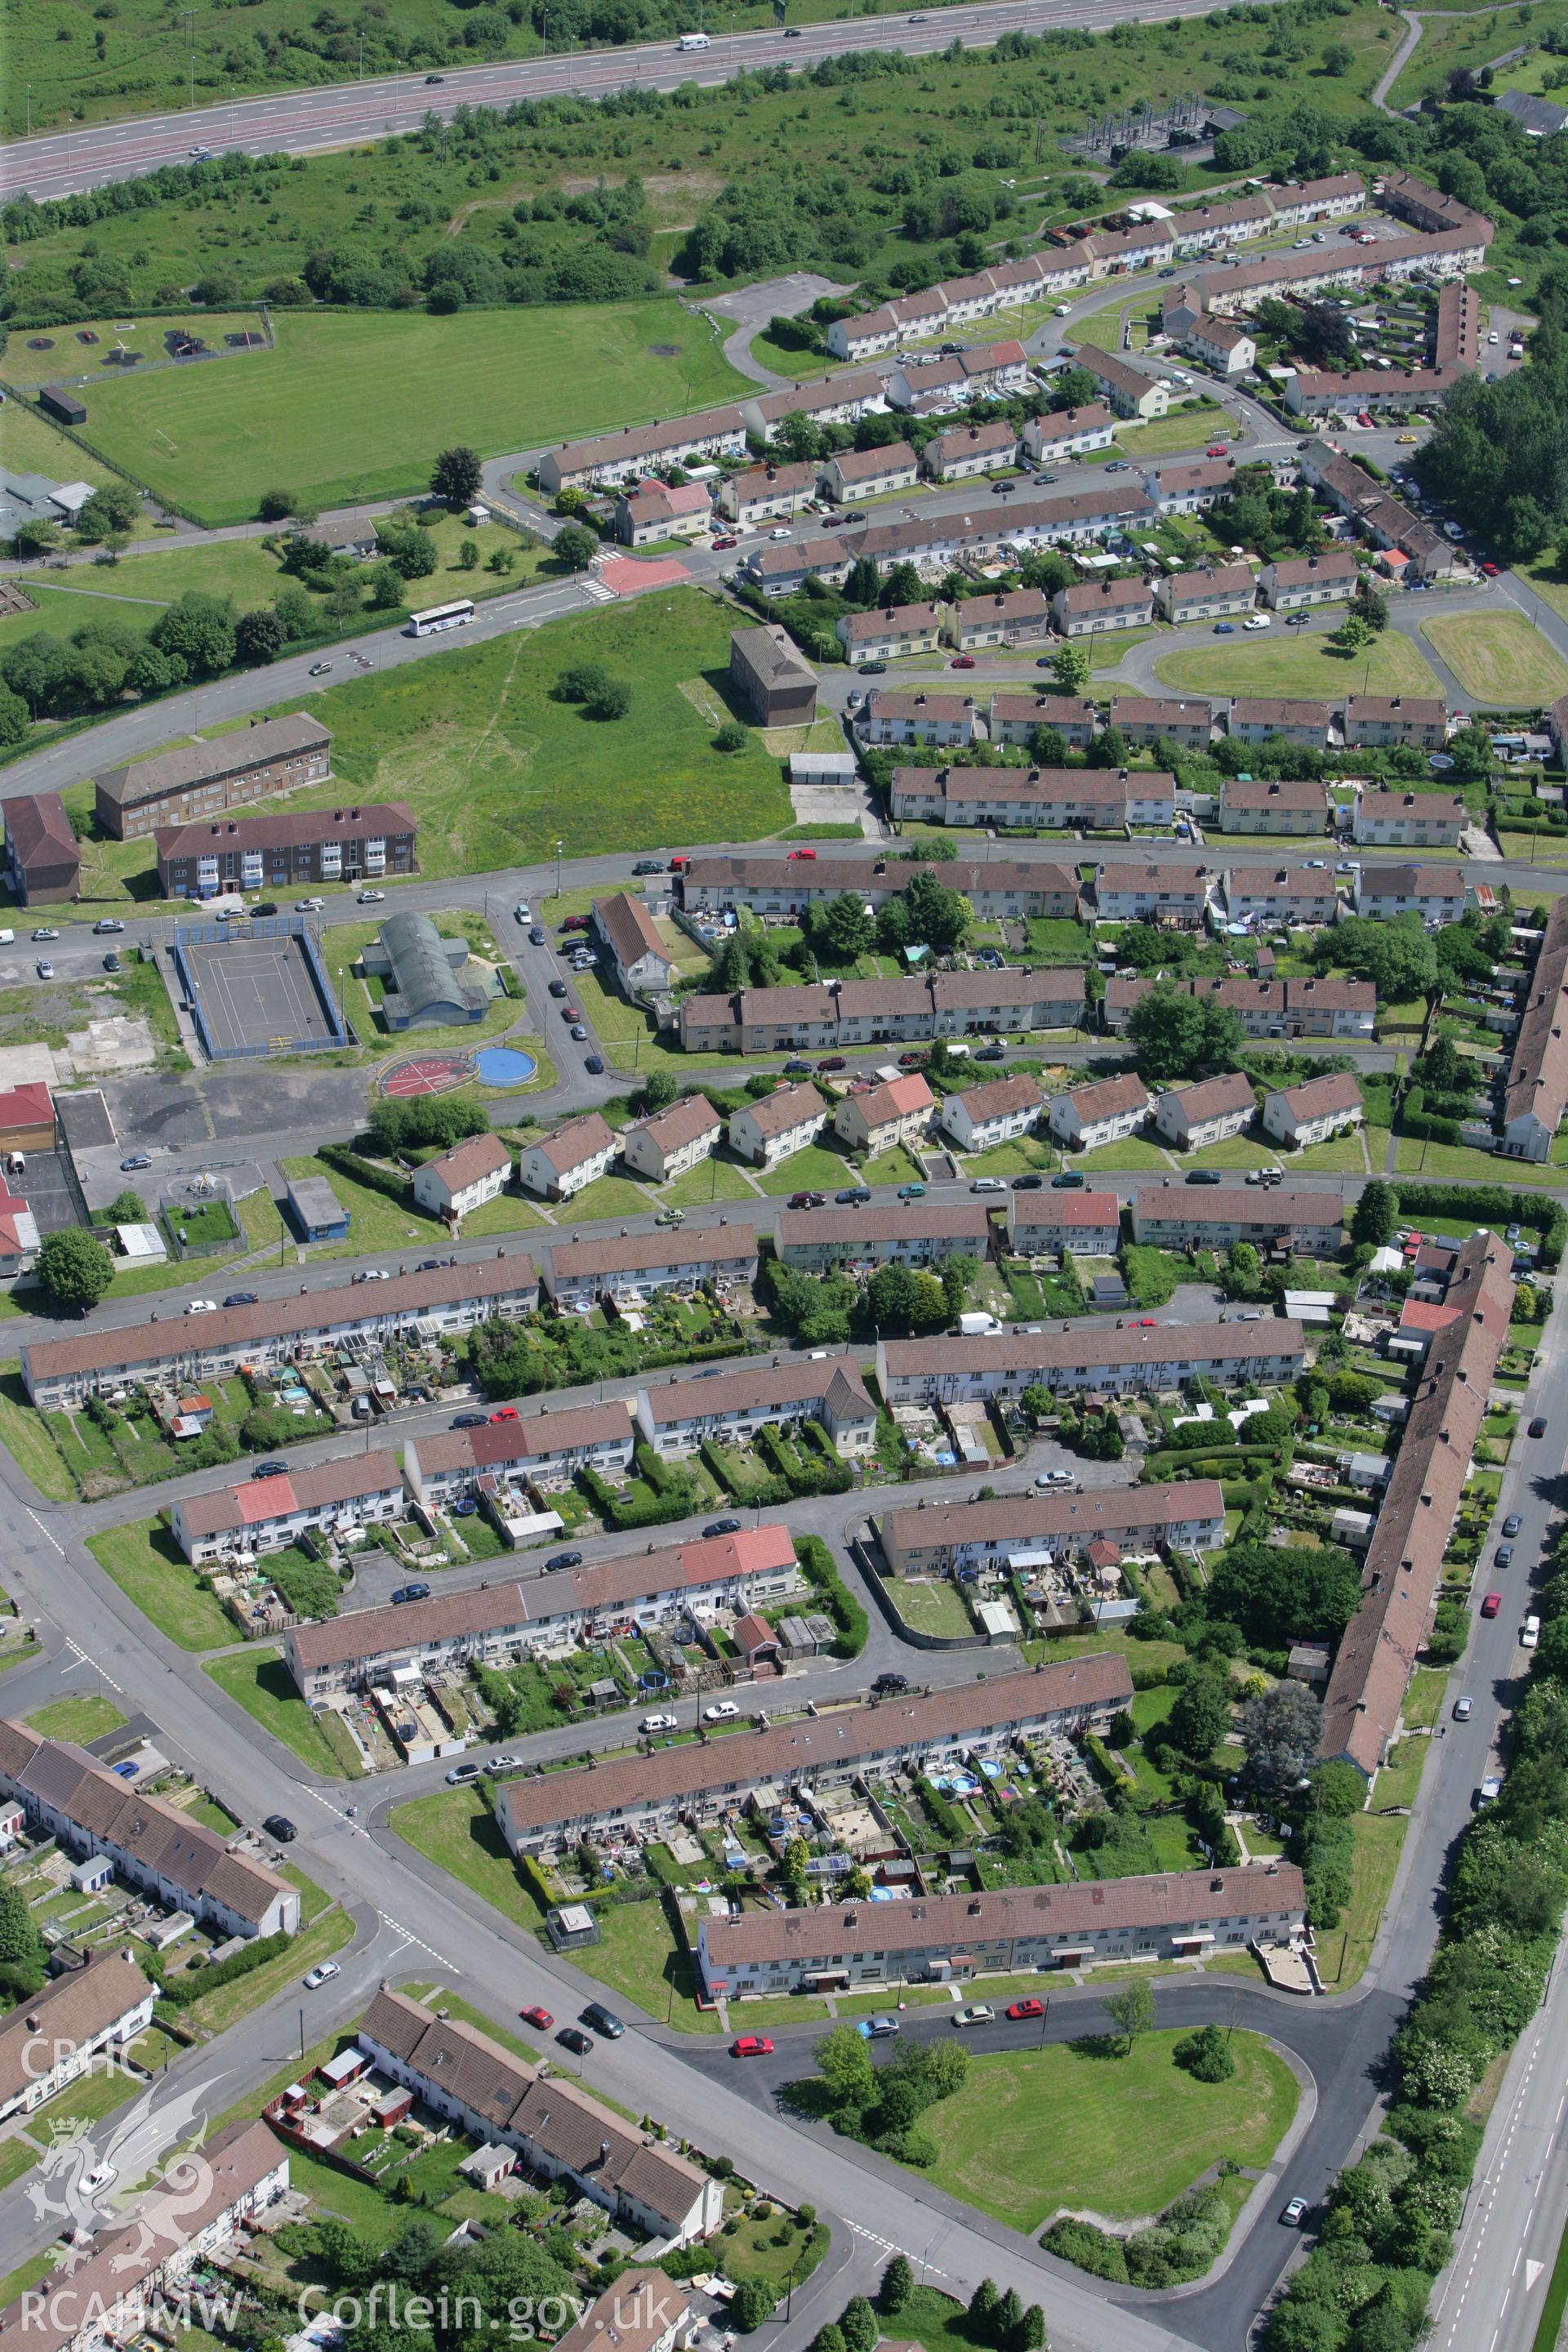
(504, 1066)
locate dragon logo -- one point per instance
(70, 2185)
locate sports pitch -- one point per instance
(258, 994)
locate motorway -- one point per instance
(56, 163)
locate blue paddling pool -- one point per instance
(504, 1066)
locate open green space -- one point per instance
(92, 1717)
(816, 1169)
(714, 1179)
(1498, 657)
(496, 772)
(1412, 1158)
(1186, 427)
(1344, 1153)
(29, 443)
(457, 1830)
(227, 2004)
(262, 1684)
(25, 1439)
(147, 1564)
(636, 1956)
(356, 405)
(1236, 1151)
(1085, 2126)
(1296, 662)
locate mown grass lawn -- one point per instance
(1345, 1152)
(1236, 1151)
(92, 1717)
(1498, 657)
(714, 1179)
(816, 1170)
(262, 1685)
(27, 1441)
(1083, 2125)
(1297, 662)
(497, 772)
(1413, 1157)
(457, 1830)
(636, 1956)
(341, 409)
(147, 1564)
(224, 2007)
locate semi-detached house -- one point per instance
(1145, 719)
(263, 1514)
(647, 1796)
(510, 1618)
(1286, 806)
(1039, 1223)
(1438, 894)
(1174, 1215)
(1220, 592)
(1297, 1116)
(634, 1266)
(765, 493)
(67, 1795)
(1395, 820)
(1279, 894)
(639, 955)
(1190, 488)
(783, 1123)
(1021, 617)
(1255, 719)
(673, 1140)
(1107, 1111)
(1385, 719)
(957, 1938)
(969, 449)
(940, 719)
(891, 635)
(1070, 432)
(1098, 1361)
(1150, 894)
(869, 473)
(729, 1410)
(1297, 583)
(883, 1117)
(938, 1538)
(276, 1331)
(1192, 1117)
(568, 1161)
(1090, 607)
(53, 2038)
(460, 1181)
(1014, 718)
(997, 1113)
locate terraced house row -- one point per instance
(1328, 1007)
(828, 1014)
(192, 1348)
(935, 1538)
(998, 889)
(647, 1796)
(1100, 1362)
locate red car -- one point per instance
(751, 2045)
(539, 2017)
(575, 923)
(803, 853)
(913, 1061)
(719, 544)
(571, 1012)
(1491, 1604)
(506, 1412)
(962, 661)
(1219, 449)
(1492, 569)
(1146, 1322)
(1022, 2009)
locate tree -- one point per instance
(410, 549)
(455, 476)
(1369, 606)
(127, 1208)
(1201, 1716)
(845, 927)
(730, 737)
(1031, 2337)
(657, 1092)
(258, 637)
(843, 2059)
(1131, 2011)
(1275, 1595)
(295, 610)
(612, 698)
(897, 2286)
(275, 506)
(1377, 1216)
(113, 508)
(983, 2305)
(1339, 58)
(14, 717)
(1069, 668)
(74, 1269)
(1010, 2319)
(1174, 1035)
(1205, 2056)
(1279, 1730)
(385, 584)
(1353, 634)
(753, 2302)
(200, 629)
(1037, 1402)
(24, 1959)
(858, 2323)
(468, 556)
(576, 545)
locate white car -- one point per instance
(522, 912)
(99, 2178)
(45, 968)
(309, 905)
(780, 533)
(723, 1710)
(1493, 336)
(660, 1723)
(371, 897)
(201, 1307)
(1258, 621)
(1463, 1709)
(503, 1764)
(321, 1974)
(1530, 1633)
(976, 2013)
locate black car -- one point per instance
(797, 1068)
(872, 669)
(594, 1066)
(563, 1559)
(265, 907)
(722, 1528)
(1538, 1427)
(888, 1684)
(537, 938)
(431, 80)
(112, 962)
(1028, 1184)
(603, 2021)
(470, 1421)
(1203, 1176)
(1070, 1181)
(572, 2037)
(240, 1299)
(855, 1197)
(274, 1469)
(648, 866)
(992, 1054)
(405, 1592)
(428, 1266)
(280, 1828)
(558, 988)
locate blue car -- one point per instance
(1225, 628)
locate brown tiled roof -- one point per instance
(1025, 1519)
(645, 440)
(1221, 580)
(1301, 570)
(1537, 1073)
(1268, 710)
(1412, 882)
(65, 2013)
(580, 1140)
(625, 1252)
(539, 1437)
(1288, 792)
(1419, 709)
(787, 1108)
(1404, 1559)
(1213, 1097)
(894, 621)
(1012, 1352)
(858, 1228)
(1175, 1900)
(945, 708)
(1277, 882)
(781, 1387)
(310, 1487)
(1146, 710)
(684, 1122)
(1000, 1098)
(1090, 595)
(895, 1098)
(283, 829)
(1331, 993)
(633, 2315)
(471, 1160)
(867, 465)
(1107, 1099)
(38, 829)
(276, 1318)
(1270, 1209)
(785, 1751)
(630, 928)
(1338, 1092)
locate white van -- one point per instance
(694, 41)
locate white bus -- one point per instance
(441, 617)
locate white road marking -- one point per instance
(409, 1937)
(1533, 2271)
(83, 1660)
(43, 1530)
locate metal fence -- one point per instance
(230, 930)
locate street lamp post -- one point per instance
(558, 849)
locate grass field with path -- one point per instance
(356, 405)
(496, 770)
(1499, 658)
(1084, 2125)
(1290, 662)
(147, 1564)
